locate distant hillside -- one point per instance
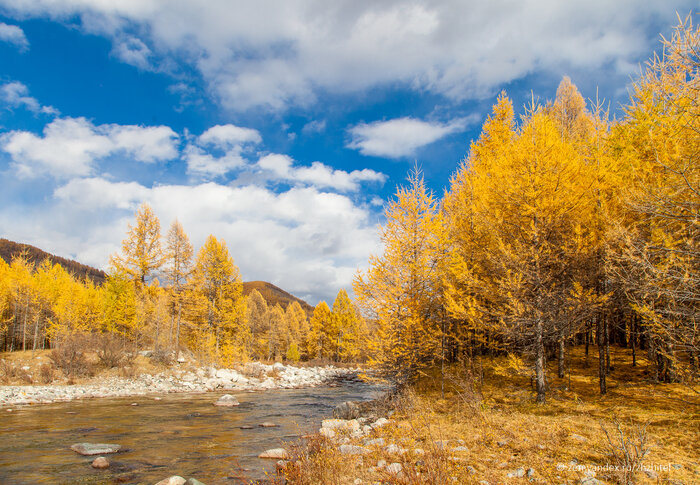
(274, 295)
(11, 249)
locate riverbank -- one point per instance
(488, 430)
(250, 377)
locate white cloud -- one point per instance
(305, 240)
(228, 136)
(277, 54)
(316, 126)
(231, 141)
(133, 51)
(400, 137)
(14, 35)
(70, 146)
(16, 94)
(280, 167)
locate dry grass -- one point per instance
(502, 430)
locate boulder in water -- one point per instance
(88, 449)
(268, 424)
(227, 400)
(100, 463)
(275, 453)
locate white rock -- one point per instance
(353, 450)
(380, 422)
(227, 400)
(394, 468)
(275, 453)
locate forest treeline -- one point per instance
(159, 295)
(561, 227)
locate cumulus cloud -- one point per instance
(14, 35)
(71, 146)
(16, 95)
(286, 54)
(220, 150)
(280, 167)
(400, 137)
(306, 240)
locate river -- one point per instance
(180, 434)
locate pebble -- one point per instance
(520, 472)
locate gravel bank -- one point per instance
(252, 377)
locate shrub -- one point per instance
(47, 372)
(70, 356)
(113, 351)
(7, 372)
(627, 451)
(162, 357)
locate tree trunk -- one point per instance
(607, 346)
(601, 354)
(561, 357)
(633, 339)
(539, 362)
(177, 333)
(36, 331)
(24, 325)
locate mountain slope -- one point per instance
(10, 249)
(274, 295)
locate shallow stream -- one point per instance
(181, 434)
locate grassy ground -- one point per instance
(484, 431)
(29, 367)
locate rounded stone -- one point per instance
(100, 463)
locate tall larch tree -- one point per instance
(400, 290)
(658, 260)
(319, 344)
(259, 324)
(217, 279)
(178, 260)
(141, 253)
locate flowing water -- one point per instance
(181, 434)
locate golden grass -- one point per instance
(503, 430)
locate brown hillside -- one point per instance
(273, 295)
(11, 249)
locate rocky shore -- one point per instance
(250, 377)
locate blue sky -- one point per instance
(280, 126)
